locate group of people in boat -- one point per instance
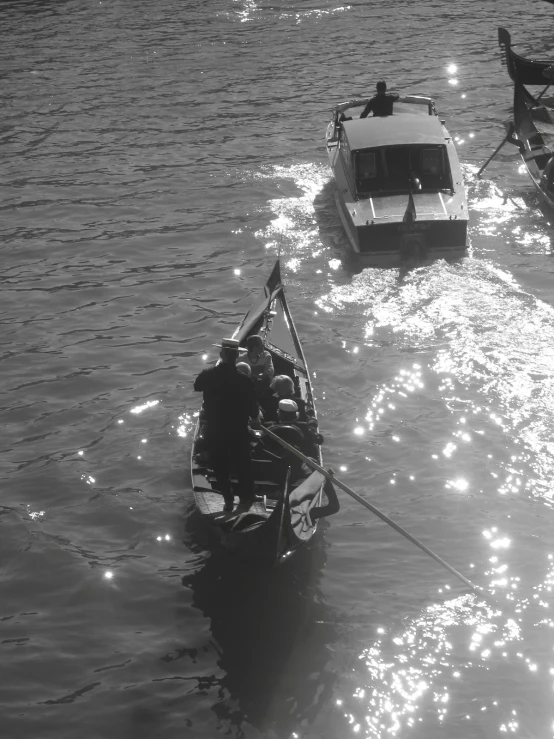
(241, 392)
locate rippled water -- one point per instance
(156, 158)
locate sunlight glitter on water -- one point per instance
(293, 231)
(246, 11)
(500, 342)
(415, 672)
(408, 381)
(187, 422)
(318, 13)
(141, 408)
(495, 389)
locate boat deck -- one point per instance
(211, 505)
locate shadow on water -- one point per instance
(271, 630)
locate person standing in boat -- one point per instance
(380, 104)
(259, 360)
(229, 402)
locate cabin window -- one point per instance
(431, 166)
(367, 171)
(431, 161)
(401, 169)
(367, 165)
(398, 167)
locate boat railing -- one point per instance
(358, 102)
(419, 100)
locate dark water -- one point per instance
(156, 157)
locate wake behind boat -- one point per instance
(400, 189)
(289, 496)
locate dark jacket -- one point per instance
(229, 399)
(380, 104)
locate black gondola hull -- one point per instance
(534, 126)
(523, 70)
(279, 521)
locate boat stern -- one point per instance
(409, 226)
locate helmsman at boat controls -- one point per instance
(380, 104)
(229, 402)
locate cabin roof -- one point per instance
(393, 130)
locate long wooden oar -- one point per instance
(315, 466)
(509, 139)
(495, 152)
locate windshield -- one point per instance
(402, 169)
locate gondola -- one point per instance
(534, 127)
(522, 70)
(289, 499)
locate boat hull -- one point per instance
(394, 242)
(523, 70)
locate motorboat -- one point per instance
(399, 185)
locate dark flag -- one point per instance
(410, 214)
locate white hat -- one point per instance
(288, 406)
(228, 344)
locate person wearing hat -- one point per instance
(229, 403)
(287, 411)
(302, 434)
(283, 388)
(286, 428)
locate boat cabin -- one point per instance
(396, 154)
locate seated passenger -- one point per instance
(287, 416)
(283, 388)
(285, 429)
(259, 360)
(381, 103)
(301, 434)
